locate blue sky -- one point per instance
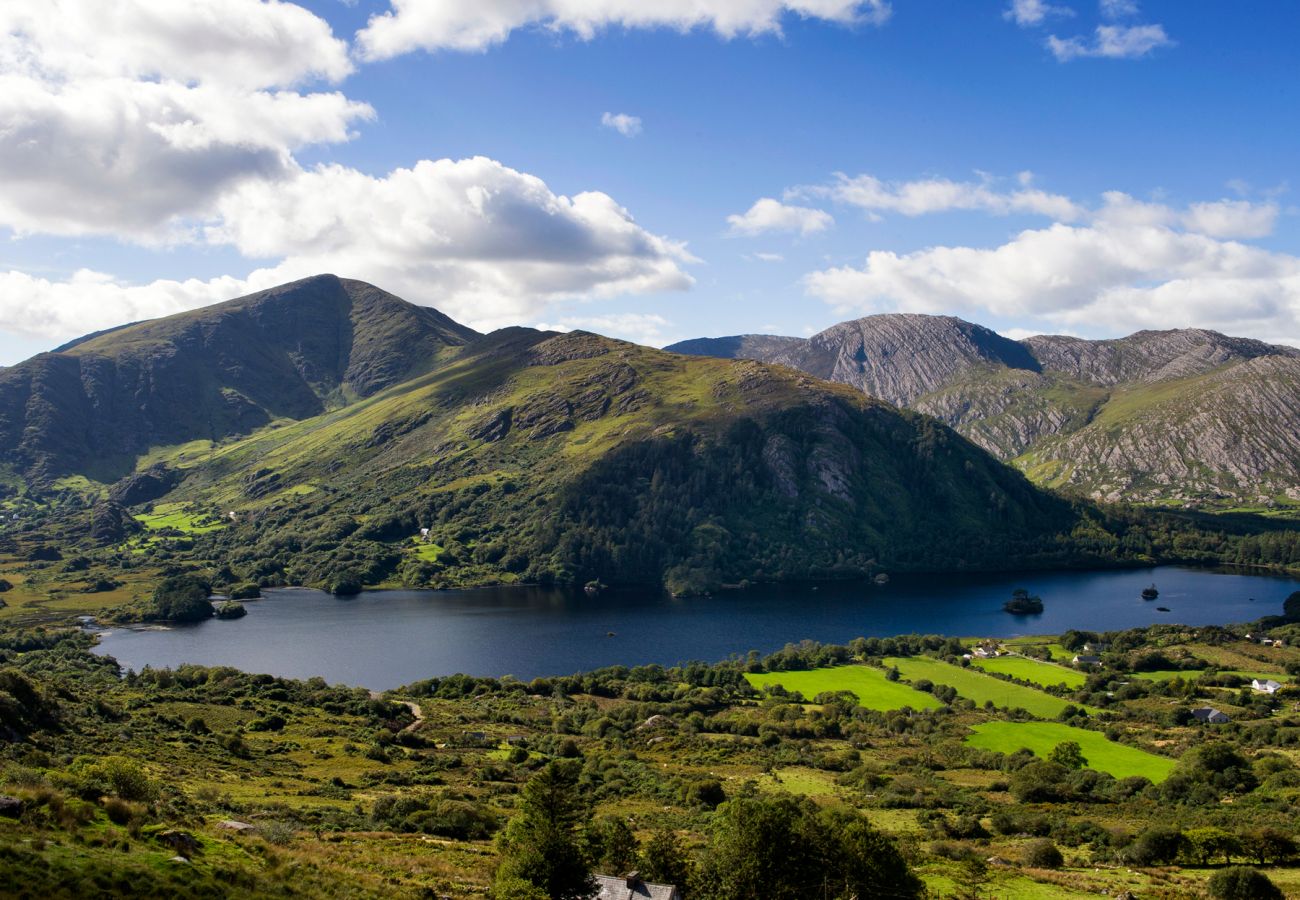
(1078, 167)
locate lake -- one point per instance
(383, 639)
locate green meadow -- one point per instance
(172, 515)
(976, 685)
(866, 683)
(1043, 673)
(1115, 759)
(1193, 674)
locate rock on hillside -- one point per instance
(1232, 433)
(1147, 356)
(288, 352)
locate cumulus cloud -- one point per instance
(1115, 274)
(411, 25)
(768, 215)
(930, 195)
(1111, 42)
(122, 157)
(927, 196)
(628, 126)
(484, 243)
(120, 117)
(1033, 12)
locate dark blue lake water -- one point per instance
(383, 639)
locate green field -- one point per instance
(868, 684)
(1038, 672)
(1193, 674)
(1103, 755)
(975, 685)
(172, 515)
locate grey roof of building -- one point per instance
(616, 887)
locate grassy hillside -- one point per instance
(575, 457)
(209, 782)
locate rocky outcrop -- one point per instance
(1147, 356)
(144, 487)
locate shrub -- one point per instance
(1044, 855)
(1242, 883)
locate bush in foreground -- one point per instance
(1243, 883)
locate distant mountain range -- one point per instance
(1187, 415)
(326, 432)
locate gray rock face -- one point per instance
(1184, 414)
(1147, 356)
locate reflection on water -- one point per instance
(383, 639)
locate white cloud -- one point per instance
(239, 43)
(1112, 275)
(639, 328)
(769, 257)
(1232, 218)
(1032, 12)
(628, 126)
(119, 117)
(484, 243)
(767, 215)
(411, 25)
(122, 157)
(1118, 9)
(1111, 42)
(915, 198)
(1221, 218)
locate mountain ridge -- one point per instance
(1034, 405)
(287, 352)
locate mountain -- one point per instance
(291, 352)
(1186, 415)
(575, 457)
(314, 432)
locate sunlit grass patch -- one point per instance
(980, 687)
(1103, 755)
(1042, 673)
(868, 684)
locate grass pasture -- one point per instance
(1193, 674)
(1041, 673)
(172, 515)
(866, 683)
(980, 687)
(1115, 759)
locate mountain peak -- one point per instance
(289, 351)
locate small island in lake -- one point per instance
(1023, 603)
(1150, 593)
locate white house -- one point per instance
(1086, 660)
(1266, 687)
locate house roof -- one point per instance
(1209, 714)
(629, 887)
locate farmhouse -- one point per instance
(1210, 715)
(632, 887)
(1268, 686)
(1085, 659)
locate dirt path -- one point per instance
(409, 704)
